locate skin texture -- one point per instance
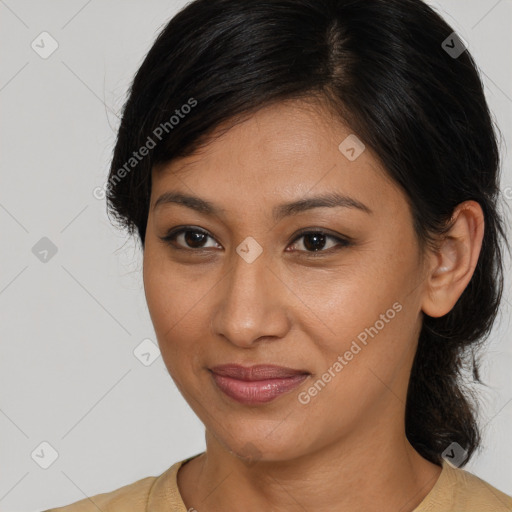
(292, 306)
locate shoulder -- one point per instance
(153, 492)
(131, 497)
(476, 494)
(461, 491)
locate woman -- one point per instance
(315, 185)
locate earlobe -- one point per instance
(454, 260)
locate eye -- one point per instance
(194, 239)
(316, 241)
(189, 238)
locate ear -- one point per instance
(453, 262)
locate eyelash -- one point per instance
(342, 242)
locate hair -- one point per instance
(381, 67)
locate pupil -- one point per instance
(193, 237)
(316, 237)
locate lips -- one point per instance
(256, 384)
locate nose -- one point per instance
(251, 305)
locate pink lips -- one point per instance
(256, 384)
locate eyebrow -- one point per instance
(330, 200)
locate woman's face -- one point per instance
(243, 285)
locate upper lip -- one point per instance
(256, 372)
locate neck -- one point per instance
(369, 471)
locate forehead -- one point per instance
(281, 152)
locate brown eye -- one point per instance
(187, 238)
(316, 241)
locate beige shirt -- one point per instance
(456, 490)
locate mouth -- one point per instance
(257, 384)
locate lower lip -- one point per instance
(256, 391)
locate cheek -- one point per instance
(361, 371)
(168, 294)
(369, 316)
(342, 303)
(176, 303)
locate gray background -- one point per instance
(70, 325)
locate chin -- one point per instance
(253, 447)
